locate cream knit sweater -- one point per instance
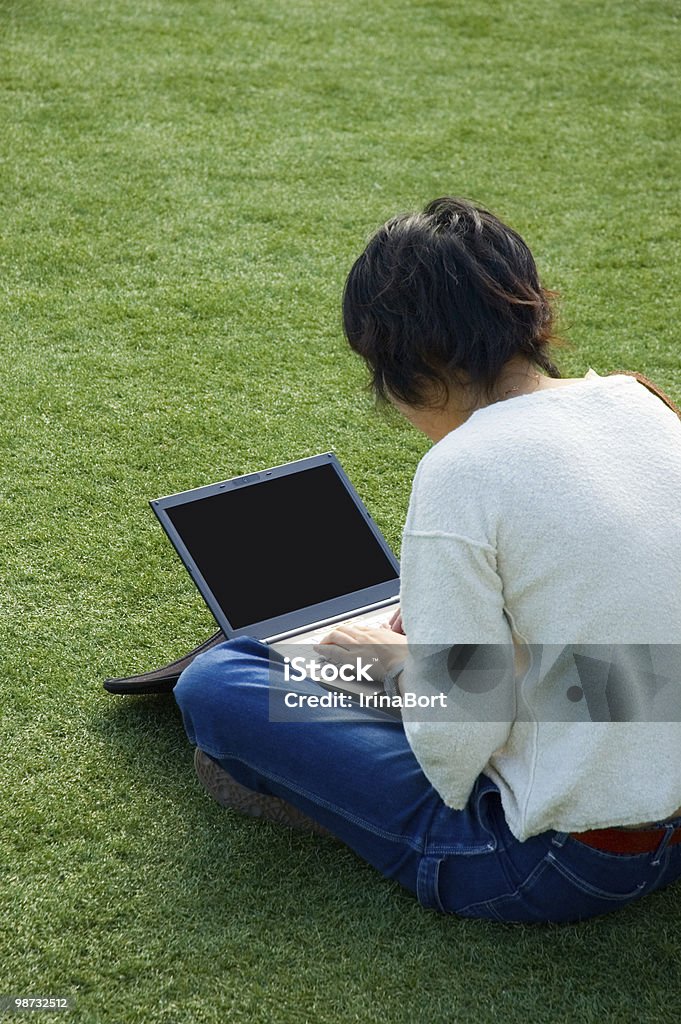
(554, 517)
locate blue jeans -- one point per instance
(354, 772)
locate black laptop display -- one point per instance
(279, 551)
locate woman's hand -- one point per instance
(395, 622)
(381, 649)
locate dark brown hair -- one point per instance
(446, 296)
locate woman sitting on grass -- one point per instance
(544, 521)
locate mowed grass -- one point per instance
(185, 184)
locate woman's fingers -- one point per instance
(332, 652)
(349, 634)
(341, 635)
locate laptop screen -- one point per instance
(275, 547)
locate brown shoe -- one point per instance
(230, 793)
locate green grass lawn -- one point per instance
(185, 184)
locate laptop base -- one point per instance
(160, 680)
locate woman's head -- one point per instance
(446, 298)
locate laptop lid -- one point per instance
(276, 551)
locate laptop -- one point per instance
(285, 553)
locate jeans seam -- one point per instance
(456, 850)
(594, 890)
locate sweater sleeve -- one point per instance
(451, 596)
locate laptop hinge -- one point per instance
(310, 626)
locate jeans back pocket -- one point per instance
(561, 889)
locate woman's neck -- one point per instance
(519, 377)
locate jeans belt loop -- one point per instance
(664, 842)
(427, 883)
